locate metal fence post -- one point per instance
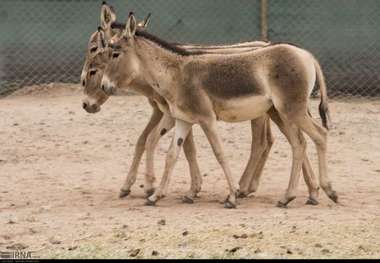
(264, 20)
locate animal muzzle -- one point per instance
(90, 107)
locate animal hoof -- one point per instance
(149, 192)
(229, 205)
(281, 205)
(150, 203)
(241, 195)
(124, 193)
(187, 200)
(312, 201)
(334, 196)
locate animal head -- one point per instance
(123, 56)
(97, 57)
(96, 60)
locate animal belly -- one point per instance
(242, 109)
(177, 113)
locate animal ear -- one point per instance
(144, 24)
(107, 16)
(101, 43)
(97, 41)
(130, 27)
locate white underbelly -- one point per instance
(242, 109)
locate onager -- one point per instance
(262, 138)
(202, 88)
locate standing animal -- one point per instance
(262, 139)
(202, 88)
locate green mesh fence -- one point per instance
(43, 41)
(343, 35)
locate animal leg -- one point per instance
(259, 169)
(308, 173)
(298, 145)
(181, 131)
(319, 136)
(196, 178)
(262, 141)
(311, 182)
(165, 125)
(139, 151)
(213, 137)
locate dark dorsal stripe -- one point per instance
(159, 41)
(175, 47)
(166, 45)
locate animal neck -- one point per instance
(141, 87)
(161, 67)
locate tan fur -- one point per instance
(249, 180)
(93, 59)
(199, 88)
(159, 105)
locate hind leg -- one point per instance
(196, 178)
(298, 144)
(262, 141)
(311, 182)
(319, 136)
(268, 142)
(261, 146)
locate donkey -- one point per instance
(261, 134)
(111, 28)
(202, 88)
(262, 138)
(95, 56)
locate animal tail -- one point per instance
(323, 106)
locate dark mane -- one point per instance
(174, 47)
(166, 45)
(159, 41)
(117, 25)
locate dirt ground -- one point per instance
(61, 170)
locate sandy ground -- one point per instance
(61, 170)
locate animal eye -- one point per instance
(92, 50)
(115, 55)
(93, 72)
